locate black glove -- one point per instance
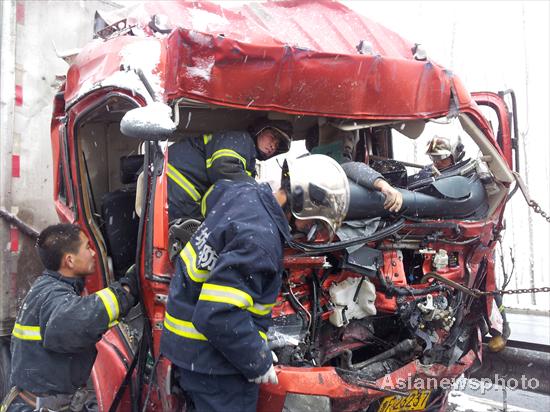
(130, 279)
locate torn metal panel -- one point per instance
(243, 58)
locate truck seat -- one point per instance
(121, 222)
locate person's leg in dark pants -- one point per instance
(219, 393)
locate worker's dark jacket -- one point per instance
(227, 280)
(424, 173)
(194, 164)
(53, 341)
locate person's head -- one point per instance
(349, 141)
(316, 188)
(272, 137)
(443, 152)
(64, 248)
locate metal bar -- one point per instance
(22, 226)
(515, 139)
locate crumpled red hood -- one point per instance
(296, 57)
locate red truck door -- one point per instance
(496, 110)
(63, 189)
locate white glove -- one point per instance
(269, 377)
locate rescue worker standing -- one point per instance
(53, 340)
(197, 163)
(228, 277)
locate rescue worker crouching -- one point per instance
(228, 277)
(53, 340)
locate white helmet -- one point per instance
(440, 148)
(318, 188)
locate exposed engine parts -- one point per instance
(352, 299)
(409, 291)
(436, 310)
(376, 308)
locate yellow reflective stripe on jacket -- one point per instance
(206, 138)
(203, 201)
(225, 294)
(263, 335)
(24, 332)
(189, 257)
(260, 309)
(226, 153)
(182, 328)
(182, 182)
(111, 305)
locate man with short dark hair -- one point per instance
(53, 340)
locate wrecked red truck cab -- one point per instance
(358, 319)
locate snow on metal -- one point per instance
(293, 57)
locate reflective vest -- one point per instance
(194, 164)
(226, 282)
(53, 340)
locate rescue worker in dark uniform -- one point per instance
(444, 153)
(228, 278)
(194, 164)
(53, 340)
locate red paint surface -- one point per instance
(14, 239)
(18, 95)
(15, 166)
(20, 12)
(109, 370)
(301, 70)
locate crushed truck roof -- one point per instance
(298, 57)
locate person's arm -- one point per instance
(367, 177)
(231, 155)
(394, 198)
(70, 323)
(229, 300)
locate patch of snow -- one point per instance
(127, 80)
(153, 120)
(144, 55)
(202, 68)
(200, 38)
(202, 20)
(462, 402)
(157, 114)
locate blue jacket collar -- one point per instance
(76, 283)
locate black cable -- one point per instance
(390, 290)
(89, 184)
(123, 385)
(151, 380)
(293, 300)
(334, 246)
(314, 314)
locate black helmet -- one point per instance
(281, 128)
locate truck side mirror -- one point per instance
(151, 122)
